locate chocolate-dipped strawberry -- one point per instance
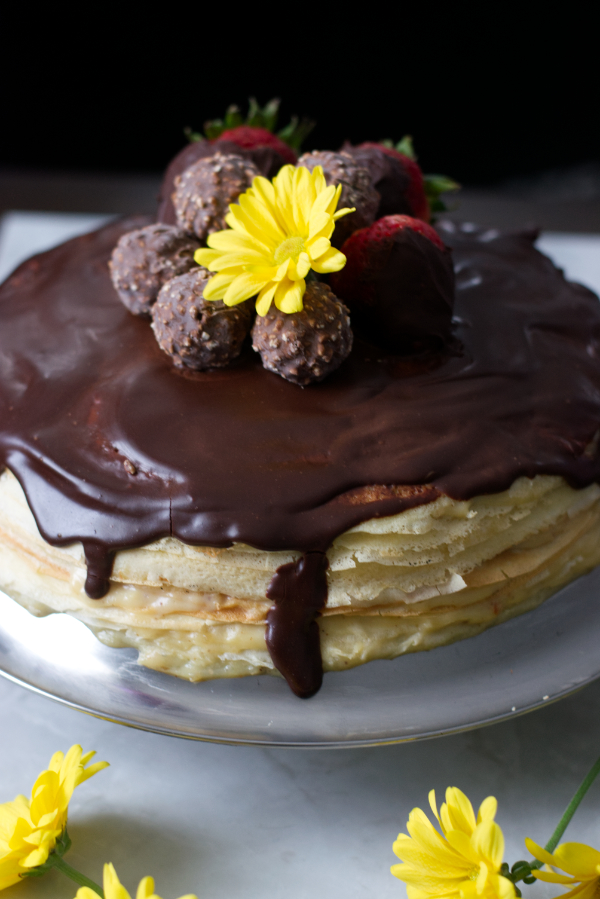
(194, 332)
(304, 347)
(397, 177)
(399, 284)
(143, 260)
(204, 191)
(357, 190)
(253, 138)
(257, 130)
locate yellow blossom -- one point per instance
(114, 889)
(581, 862)
(463, 861)
(29, 828)
(277, 232)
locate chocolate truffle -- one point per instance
(266, 159)
(144, 260)
(204, 191)
(357, 190)
(196, 332)
(305, 346)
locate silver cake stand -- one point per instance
(511, 669)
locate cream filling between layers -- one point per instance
(425, 577)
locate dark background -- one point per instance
(490, 92)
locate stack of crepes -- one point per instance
(430, 575)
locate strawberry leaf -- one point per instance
(435, 185)
(192, 136)
(296, 132)
(406, 147)
(233, 117)
(258, 117)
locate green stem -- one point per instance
(570, 811)
(79, 879)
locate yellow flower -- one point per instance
(29, 828)
(581, 862)
(464, 861)
(113, 888)
(277, 232)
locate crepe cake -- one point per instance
(228, 523)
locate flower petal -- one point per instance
(317, 246)
(487, 809)
(505, 888)
(230, 241)
(488, 842)
(586, 890)
(237, 260)
(553, 877)
(459, 810)
(318, 179)
(113, 888)
(282, 270)
(263, 300)
(242, 288)
(462, 844)
(331, 261)
(218, 285)
(429, 840)
(342, 212)
(241, 219)
(482, 878)
(288, 296)
(319, 221)
(577, 859)
(206, 257)
(538, 852)
(303, 265)
(145, 889)
(433, 805)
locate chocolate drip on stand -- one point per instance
(299, 591)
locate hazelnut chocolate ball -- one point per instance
(204, 191)
(198, 333)
(267, 160)
(305, 346)
(357, 190)
(144, 260)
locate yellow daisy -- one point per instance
(114, 889)
(29, 828)
(277, 232)
(581, 862)
(463, 861)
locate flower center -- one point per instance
(288, 249)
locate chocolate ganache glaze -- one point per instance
(115, 447)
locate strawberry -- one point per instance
(258, 130)
(253, 139)
(398, 283)
(416, 197)
(250, 138)
(398, 178)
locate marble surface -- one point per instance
(228, 821)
